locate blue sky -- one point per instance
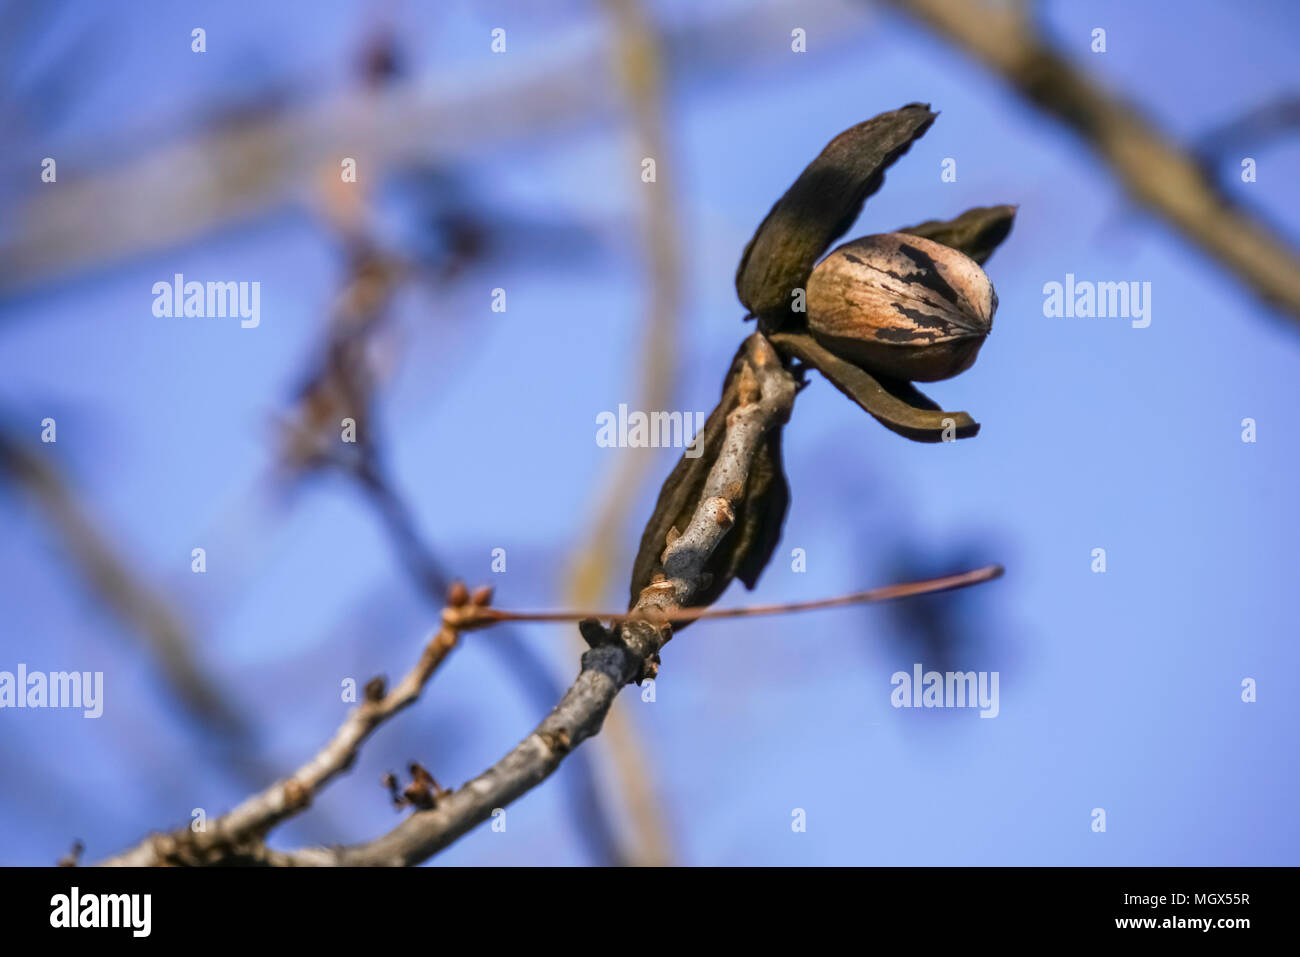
(1118, 690)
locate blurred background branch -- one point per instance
(343, 383)
(111, 578)
(251, 164)
(1159, 173)
(637, 60)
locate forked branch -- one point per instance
(628, 651)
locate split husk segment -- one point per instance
(748, 546)
(820, 207)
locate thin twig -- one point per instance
(344, 384)
(886, 593)
(238, 835)
(587, 808)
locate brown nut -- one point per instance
(901, 306)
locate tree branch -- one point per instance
(628, 653)
(345, 383)
(237, 836)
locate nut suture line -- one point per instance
(901, 306)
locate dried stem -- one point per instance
(886, 593)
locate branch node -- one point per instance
(557, 741)
(375, 689)
(296, 795)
